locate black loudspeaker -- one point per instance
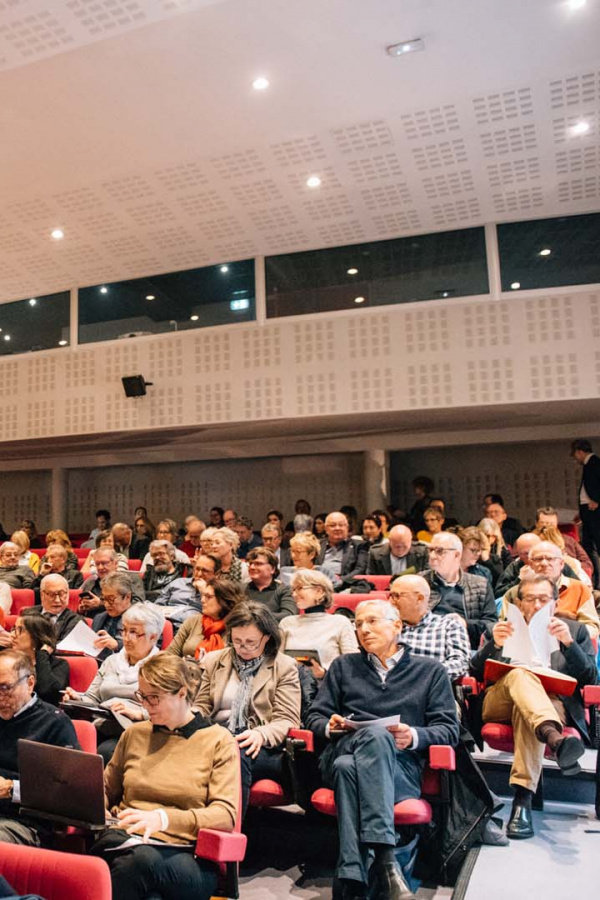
(135, 385)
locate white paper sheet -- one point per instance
(80, 640)
(518, 648)
(355, 724)
(135, 841)
(531, 645)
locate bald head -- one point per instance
(524, 544)
(410, 596)
(400, 538)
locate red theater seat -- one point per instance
(53, 875)
(21, 597)
(82, 671)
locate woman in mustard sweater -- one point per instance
(168, 778)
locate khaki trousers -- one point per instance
(520, 700)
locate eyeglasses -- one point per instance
(133, 634)
(56, 595)
(544, 558)
(148, 699)
(8, 688)
(17, 629)
(408, 595)
(439, 551)
(372, 620)
(248, 645)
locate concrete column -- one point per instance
(376, 479)
(59, 513)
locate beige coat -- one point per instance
(275, 693)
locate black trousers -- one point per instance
(590, 538)
(268, 764)
(150, 871)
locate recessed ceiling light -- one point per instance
(444, 293)
(224, 269)
(515, 286)
(57, 233)
(7, 337)
(261, 83)
(150, 297)
(359, 299)
(33, 301)
(313, 182)
(545, 252)
(352, 272)
(194, 318)
(580, 128)
(103, 290)
(412, 46)
(62, 343)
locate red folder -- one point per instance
(553, 682)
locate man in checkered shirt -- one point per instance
(443, 637)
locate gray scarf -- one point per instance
(240, 707)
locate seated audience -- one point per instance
(547, 515)
(166, 584)
(274, 517)
(319, 526)
(339, 553)
(55, 562)
(243, 527)
(29, 526)
(511, 575)
(304, 551)
(499, 552)
(116, 598)
(263, 587)
(401, 554)
(442, 637)
(103, 539)
(23, 715)
(520, 699)
(301, 508)
(434, 524)
(316, 629)
(372, 531)
(474, 544)
(205, 632)
(230, 517)
(254, 691)
(215, 516)
(125, 543)
(205, 542)
(58, 536)
(145, 789)
(192, 530)
(102, 524)
(12, 572)
(423, 489)
(34, 636)
(118, 675)
(575, 600)
(223, 545)
(440, 505)
(302, 523)
(27, 558)
(144, 528)
(370, 769)
(106, 563)
(552, 534)
(272, 537)
(54, 605)
(511, 528)
(386, 520)
(167, 531)
(206, 569)
(468, 598)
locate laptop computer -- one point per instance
(62, 785)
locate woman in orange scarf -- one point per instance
(202, 633)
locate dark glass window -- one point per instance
(574, 257)
(404, 270)
(197, 298)
(38, 323)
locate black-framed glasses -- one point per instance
(8, 688)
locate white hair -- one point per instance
(387, 610)
(148, 615)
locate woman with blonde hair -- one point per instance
(498, 549)
(224, 545)
(305, 548)
(21, 539)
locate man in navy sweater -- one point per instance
(372, 768)
(23, 715)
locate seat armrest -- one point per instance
(591, 695)
(221, 846)
(442, 756)
(469, 684)
(303, 734)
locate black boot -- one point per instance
(347, 889)
(520, 824)
(386, 881)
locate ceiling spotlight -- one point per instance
(545, 252)
(62, 343)
(515, 286)
(313, 182)
(413, 46)
(260, 84)
(224, 269)
(444, 293)
(103, 290)
(352, 272)
(33, 301)
(580, 128)
(194, 318)
(57, 234)
(7, 337)
(150, 297)
(359, 299)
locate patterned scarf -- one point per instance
(240, 707)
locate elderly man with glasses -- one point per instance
(469, 598)
(11, 572)
(54, 596)
(520, 699)
(23, 715)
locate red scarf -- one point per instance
(212, 630)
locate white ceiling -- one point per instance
(132, 125)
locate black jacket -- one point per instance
(590, 478)
(354, 558)
(379, 561)
(65, 623)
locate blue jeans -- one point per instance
(368, 775)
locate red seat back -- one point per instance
(134, 565)
(21, 597)
(54, 875)
(351, 601)
(380, 582)
(83, 670)
(167, 635)
(86, 735)
(74, 599)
